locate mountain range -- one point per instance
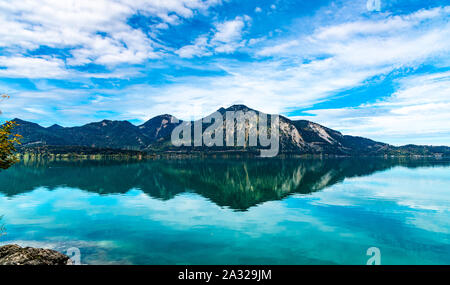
(296, 137)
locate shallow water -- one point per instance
(291, 211)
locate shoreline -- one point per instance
(211, 155)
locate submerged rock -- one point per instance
(16, 255)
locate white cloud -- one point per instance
(228, 34)
(93, 31)
(32, 67)
(199, 48)
(258, 10)
(229, 31)
(226, 37)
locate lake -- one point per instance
(232, 211)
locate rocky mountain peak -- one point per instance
(238, 107)
(55, 127)
(160, 120)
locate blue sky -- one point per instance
(379, 69)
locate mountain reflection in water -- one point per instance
(235, 183)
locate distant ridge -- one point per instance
(296, 137)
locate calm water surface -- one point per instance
(231, 211)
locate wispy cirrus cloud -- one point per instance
(416, 113)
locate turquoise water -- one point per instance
(232, 211)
